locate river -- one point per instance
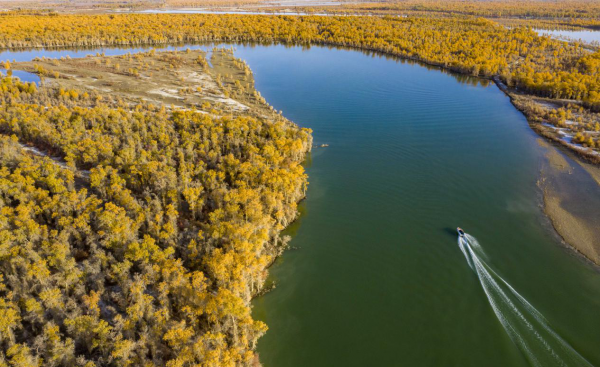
(375, 276)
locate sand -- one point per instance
(571, 191)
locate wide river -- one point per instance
(375, 276)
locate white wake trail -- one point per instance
(525, 325)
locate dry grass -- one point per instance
(183, 79)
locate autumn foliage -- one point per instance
(143, 240)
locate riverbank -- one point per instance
(572, 200)
(557, 120)
(564, 122)
(414, 152)
(570, 178)
(405, 145)
(212, 82)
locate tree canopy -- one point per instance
(143, 240)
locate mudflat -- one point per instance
(571, 191)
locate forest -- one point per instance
(532, 13)
(141, 236)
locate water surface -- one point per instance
(22, 75)
(378, 279)
(584, 36)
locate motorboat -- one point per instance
(460, 231)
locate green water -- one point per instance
(376, 277)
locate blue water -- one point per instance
(377, 279)
(23, 75)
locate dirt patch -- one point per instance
(182, 79)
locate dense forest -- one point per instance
(143, 240)
(535, 64)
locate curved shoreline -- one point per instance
(214, 96)
(557, 177)
(569, 190)
(404, 48)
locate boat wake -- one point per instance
(525, 325)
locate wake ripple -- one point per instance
(525, 325)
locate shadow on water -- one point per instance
(450, 231)
(292, 229)
(307, 163)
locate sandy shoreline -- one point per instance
(571, 196)
(570, 184)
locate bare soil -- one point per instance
(572, 199)
(212, 82)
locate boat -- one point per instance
(460, 231)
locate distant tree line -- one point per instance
(533, 63)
